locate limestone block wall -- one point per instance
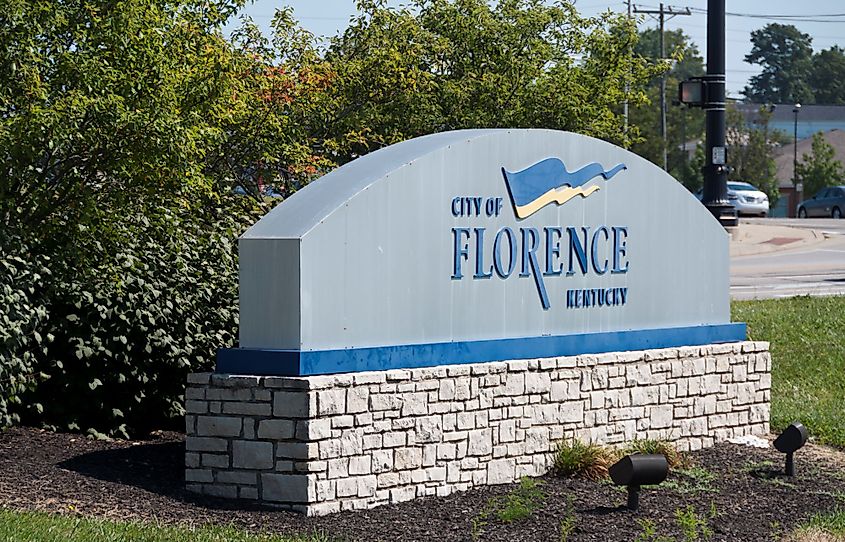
(323, 444)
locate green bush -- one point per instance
(22, 314)
(134, 305)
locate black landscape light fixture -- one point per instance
(638, 470)
(788, 442)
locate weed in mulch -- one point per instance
(769, 473)
(691, 480)
(695, 527)
(569, 521)
(648, 532)
(517, 505)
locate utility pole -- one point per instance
(684, 177)
(627, 85)
(799, 187)
(662, 14)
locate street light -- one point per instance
(798, 189)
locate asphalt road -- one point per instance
(814, 269)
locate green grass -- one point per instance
(40, 527)
(829, 522)
(823, 527)
(807, 336)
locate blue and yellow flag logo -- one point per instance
(548, 181)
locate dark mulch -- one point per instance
(144, 480)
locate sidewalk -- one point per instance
(753, 239)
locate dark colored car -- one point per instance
(828, 202)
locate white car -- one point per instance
(746, 199)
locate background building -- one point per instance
(829, 119)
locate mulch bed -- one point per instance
(144, 480)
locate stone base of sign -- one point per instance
(322, 444)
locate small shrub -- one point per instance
(648, 446)
(575, 457)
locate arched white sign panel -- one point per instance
(480, 245)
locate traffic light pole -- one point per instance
(715, 196)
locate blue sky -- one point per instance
(328, 17)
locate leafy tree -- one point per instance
(273, 137)
(123, 128)
(102, 105)
(696, 167)
(751, 152)
(682, 124)
(445, 65)
(90, 110)
(827, 76)
(820, 168)
(685, 57)
(786, 55)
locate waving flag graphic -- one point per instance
(548, 181)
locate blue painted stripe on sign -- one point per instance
(315, 362)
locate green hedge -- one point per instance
(23, 315)
(134, 305)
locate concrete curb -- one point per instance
(755, 239)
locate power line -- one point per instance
(746, 32)
(810, 18)
(787, 18)
(773, 16)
